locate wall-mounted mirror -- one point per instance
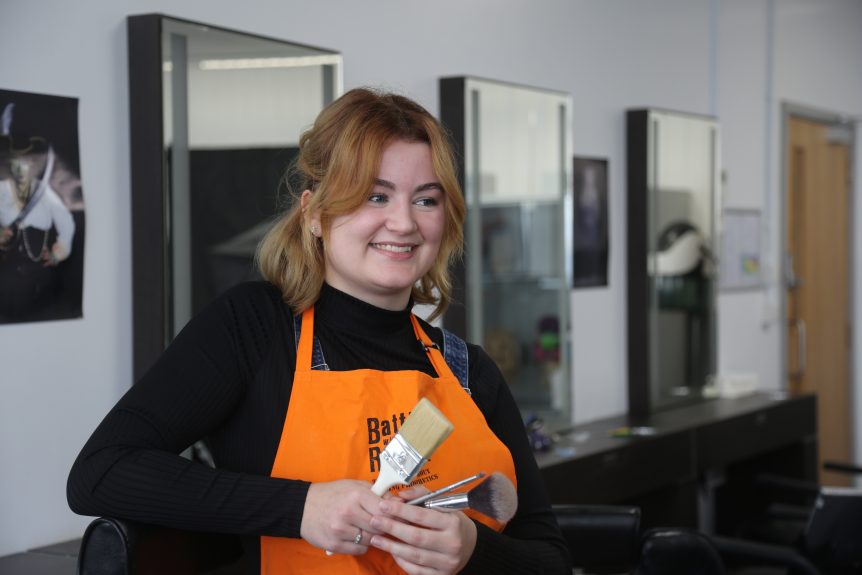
(514, 145)
(216, 115)
(674, 207)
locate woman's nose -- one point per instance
(400, 218)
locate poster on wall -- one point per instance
(591, 244)
(739, 266)
(41, 208)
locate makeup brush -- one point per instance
(451, 487)
(494, 497)
(421, 434)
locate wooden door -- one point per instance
(818, 274)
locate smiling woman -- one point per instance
(381, 250)
(362, 148)
(282, 376)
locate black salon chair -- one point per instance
(605, 540)
(608, 539)
(805, 527)
(117, 547)
(602, 539)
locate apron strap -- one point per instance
(318, 362)
(455, 355)
(455, 351)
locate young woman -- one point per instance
(299, 382)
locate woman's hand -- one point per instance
(5, 236)
(337, 516)
(423, 540)
(48, 258)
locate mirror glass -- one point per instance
(682, 230)
(234, 106)
(214, 119)
(518, 235)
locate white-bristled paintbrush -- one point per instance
(421, 434)
(494, 497)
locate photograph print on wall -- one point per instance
(41, 208)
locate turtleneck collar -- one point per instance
(343, 312)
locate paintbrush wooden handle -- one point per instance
(387, 478)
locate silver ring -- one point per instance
(358, 538)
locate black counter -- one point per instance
(696, 468)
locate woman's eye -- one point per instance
(377, 198)
(427, 202)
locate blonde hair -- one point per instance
(339, 158)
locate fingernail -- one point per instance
(376, 522)
(385, 506)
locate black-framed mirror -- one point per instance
(215, 118)
(514, 146)
(674, 209)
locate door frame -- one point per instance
(788, 110)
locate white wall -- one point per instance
(59, 378)
(745, 74)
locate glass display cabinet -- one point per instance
(215, 118)
(674, 209)
(512, 290)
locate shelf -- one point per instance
(544, 282)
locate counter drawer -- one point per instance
(635, 467)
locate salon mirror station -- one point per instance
(215, 119)
(674, 208)
(514, 145)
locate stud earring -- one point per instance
(314, 230)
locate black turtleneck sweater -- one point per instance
(227, 377)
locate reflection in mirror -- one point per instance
(514, 142)
(223, 111)
(674, 172)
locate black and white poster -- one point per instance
(41, 208)
(591, 244)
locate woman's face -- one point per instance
(20, 168)
(378, 252)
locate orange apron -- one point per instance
(337, 424)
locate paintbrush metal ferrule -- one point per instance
(410, 449)
(399, 463)
(405, 460)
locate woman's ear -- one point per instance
(304, 199)
(313, 220)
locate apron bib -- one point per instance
(338, 423)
